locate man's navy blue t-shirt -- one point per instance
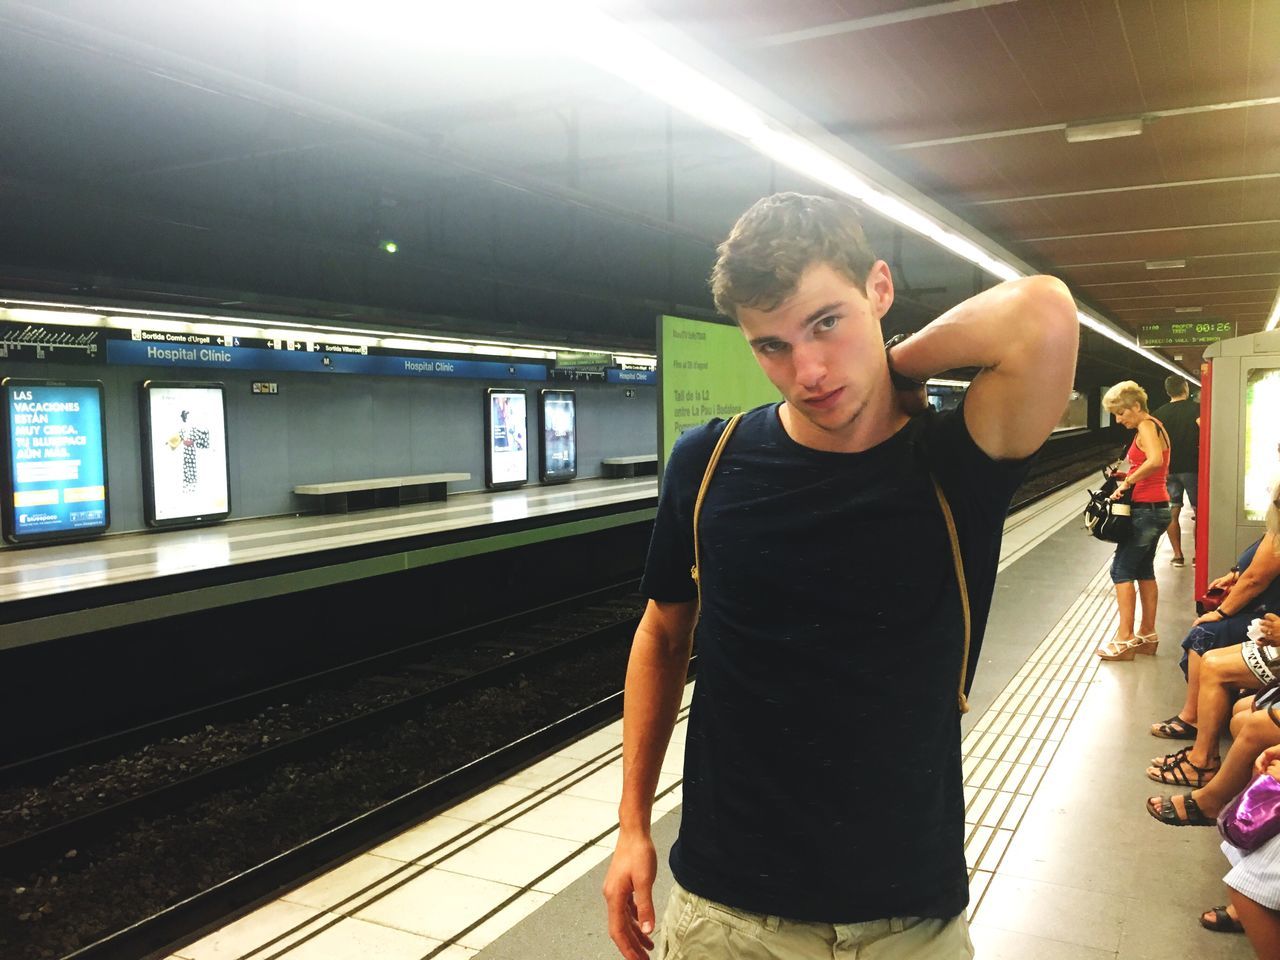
(822, 768)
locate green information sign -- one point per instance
(705, 370)
(1184, 333)
(578, 358)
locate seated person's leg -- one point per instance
(1261, 925)
(1255, 731)
(1220, 671)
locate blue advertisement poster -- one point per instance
(56, 463)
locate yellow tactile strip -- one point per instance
(1011, 745)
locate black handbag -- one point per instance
(1106, 519)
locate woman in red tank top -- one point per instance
(1144, 487)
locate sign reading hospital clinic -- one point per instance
(55, 461)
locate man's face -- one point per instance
(822, 347)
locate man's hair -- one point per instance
(776, 240)
(1176, 386)
(1124, 395)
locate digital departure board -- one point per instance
(55, 477)
(185, 470)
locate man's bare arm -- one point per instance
(1024, 336)
(656, 673)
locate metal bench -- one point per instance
(645, 465)
(342, 496)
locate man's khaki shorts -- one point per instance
(695, 928)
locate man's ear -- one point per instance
(879, 289)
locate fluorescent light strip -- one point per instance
(1274, 319)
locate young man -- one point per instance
(1181, 419)
(823, 803)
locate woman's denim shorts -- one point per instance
(1135, 560)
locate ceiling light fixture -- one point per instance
(1165, 264)
(1274, 319)
(1106, 130)
(1188, 309)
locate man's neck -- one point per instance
(878, 420)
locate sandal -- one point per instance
(1171, 759)
(1219, 921)
(1162, 809)
(1119, 649)
(1175, 728)
(1174, 770)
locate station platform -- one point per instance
(1064, 861)
(62, 590)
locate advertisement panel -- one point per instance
(707, 370)
(506, 441)
(55, 477)
(558, 436)
(1261, 441)
(185, 470)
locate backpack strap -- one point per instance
(958, 560)
(702, 492)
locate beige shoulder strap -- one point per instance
(946, 513)
(958, 560)
(702, 492)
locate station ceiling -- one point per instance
(237, 157)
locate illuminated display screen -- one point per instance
(559, 453)
(184, 445)
(1261, 440)
(506, 438)
(56, 465)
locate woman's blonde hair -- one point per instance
(1123, 395)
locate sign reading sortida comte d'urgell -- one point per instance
(707, 371)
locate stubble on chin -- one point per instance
(838, 422)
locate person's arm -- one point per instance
(1255, 578)
(1226, 581)
(1024, 336)
(656, 673)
